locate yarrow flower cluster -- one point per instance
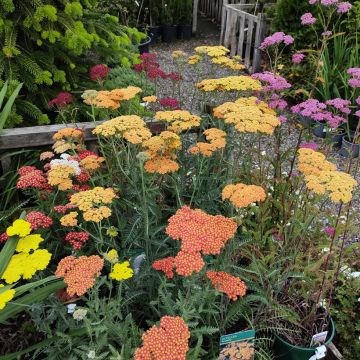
(169, 103)
(231, 83)
(79, 273)
(231, 63)
(212, 51)
(121, 271)
(242, 195)
(273, 82)
(355, 80)
(178, 120)
(248, 115)
(38, 220)
(99, 72)
(308, 19)
(77, 239)
(297, 58)
(232, 286)
(216, 140)
(32, 178)
(131, 128)
(5, 296)
(276, 39)
(169, 341)
(62, 99)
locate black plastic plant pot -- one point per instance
(185, 32)
(348, 148)
(169, 33)
(319, 130)
(154, 33)
(286, 351)
(144, 47)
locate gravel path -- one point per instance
(209, 34)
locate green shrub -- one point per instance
(50, 46)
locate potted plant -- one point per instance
(169, 29)
(184, 9)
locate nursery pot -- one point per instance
(185, 32)
(154, 33)
(319, 130)
(169, 33)
(348, 147)
(144, 47)
(286, 351)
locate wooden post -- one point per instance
(195, 16)
(260, 28)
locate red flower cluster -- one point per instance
(79, 188)
(232, 286)
(147, 56)
(30, 177)
(77, 239)
(38, 220)
(61, 100)
(186, 263)
(166, 265)
(169, 103)
(62, 209)
(79, 273)
(174, 77)
(99, 72)
(4, 237)
(167, 342)
(82, 177)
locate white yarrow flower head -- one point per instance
(79, 314)
(91, 354)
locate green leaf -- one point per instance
(7, 252)
(7, 108)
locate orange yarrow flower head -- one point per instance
(79, 273)
(169, 341)
(241, 195)
(232, 286)
(312, 162)
(131, 128)
(166, 265)
(199, 231)
(186, 263)
(69, 134)
(217, 140)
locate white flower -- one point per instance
(91, 354)
(71, 308)
(72, 163)
(355, 274)
(79, 314)
(326, 249)
(263, 153)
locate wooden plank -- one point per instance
(42, 135)
(223, 21)
(249, 42)
(240, 46)
(195, 16)
(258, 39)
(333, 353)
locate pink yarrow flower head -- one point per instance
(274, 82)
(61, 100)
(99, 72)
(309, 145)
(277, 102)
(343, 7)
(169, 103)
(358, 100)
(328, 2)
(327, 33)
(308, 19)
(330, 231)
(297, 58)
(283, 119)
(276, 39)
(355, 80)
(340, 104)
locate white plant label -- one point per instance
(318, 338)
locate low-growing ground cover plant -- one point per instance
(181, 225)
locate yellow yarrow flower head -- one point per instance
(122, 271)
(5, 296)
(194, 59)
(28, 243)
(19, 227)
(231, 83)
(112, 231)
(212, 51)
(150, 99)
(112, 256)
(178, 54)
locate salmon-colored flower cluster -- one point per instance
(38, 220)
(150, 99)
(217, 140)
(60, 176)
(161, 153)
(129, 127)
(92, 162)
(30, 177)
(232, 286)
(109, 99)
(178, 120)
(69, 134)
(169, 341)
(90, 202)
(62, 209)
(79, 273)
(231, 83)
(165, 265)
(322, 177)
(70, 219)
(77, 239)
(242, 195)
(249, 116)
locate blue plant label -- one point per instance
(239, 345)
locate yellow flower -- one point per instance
(70, 219)
(180, 120)
(5, 296)
(194, 59)
(29, 242)
(212, 51)
(121, 271)
(224, 61)
(25, 265)
(112, 256)
(19, 227)
(150, 99)
(59, 175)
(112, 231)
(67, 133)
(312, 162)
(217, 140)
(231, 83)
(178, 54)
(92, 162)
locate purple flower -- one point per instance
(312, 2)
(277, 103)
(343, 7)
(327, 33)
(328, 2)
(308, 19)
(293, 174)
(358, 100)
(357, 113)
(297, 58)
(330, 231)
(283, 119)
(340, 104)
(275, 39)
(274, 82)
(355, 80)
(309, 145)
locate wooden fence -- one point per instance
(242, 32)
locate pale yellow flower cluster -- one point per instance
(225, 61)
(216, 140)
(248, 115)
(322, 177)
(230, 83)
(129, 127)
(180, 120)
(212, 51)
(194, 59)
(60, 176)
